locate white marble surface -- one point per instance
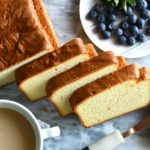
(64, 14)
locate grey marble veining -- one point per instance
(65, 17)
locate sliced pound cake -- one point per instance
(26, 33)
(60, 88)
(116, 94)
(32, 77)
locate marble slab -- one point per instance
(65, 17)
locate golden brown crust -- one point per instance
(122, 61)
(64, 53)
(91, 50)
(23, 31)
(84, 68)
(144, 74)
(124, 74)
(46, 23)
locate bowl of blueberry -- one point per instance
(122, 26)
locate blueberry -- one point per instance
(101, 27)
(132, 19)
(141, 37)
(134, 30)
(124, 25)
(99, 8)
(127, 33)
(148, 31)
(131, 41)
(101, 18)
(145, 13)
(92, 14)
(111, 27)
(118, 32)
(148, 22)
(142, 4)
(140, 23)
(110, 10)
(122, 39)
(117, 13)
(112, 17)
(129, 11)
(106, 34)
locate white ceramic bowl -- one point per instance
(136, 51)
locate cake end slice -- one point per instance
(111, 96)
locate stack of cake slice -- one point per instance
(118, 93)
(60, 88)
(32, 77)
(96, 87)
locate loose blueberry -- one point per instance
(142, 4)
(118, 12)
(118, 32)
(112, 17)
(140, 23)
(99, 8)
(122, 39)
(134, 30)
(101, 18)
(129, 11)
(145, 13)
(127, 33)
(92, 14)
(148, 31)
(106, 34)
(124, 25)
(110, 9)
(132, 19)
(111, 27)
(148, 22)
(141, 37)
(101, 27)
(131, 41)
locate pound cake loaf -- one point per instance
(25, 34)
(113, 95)
(32, 77)
(60, 88)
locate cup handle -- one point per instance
(50, 132)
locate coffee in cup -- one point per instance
(16, 133)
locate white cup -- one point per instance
(41, 134)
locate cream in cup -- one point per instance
(20, 130)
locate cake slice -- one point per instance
(32, 77)
(26, 33)
(116, 94)
(60, 88)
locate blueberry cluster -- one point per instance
(134, 26)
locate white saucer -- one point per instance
(136, 51)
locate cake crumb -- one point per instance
(46, 109)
